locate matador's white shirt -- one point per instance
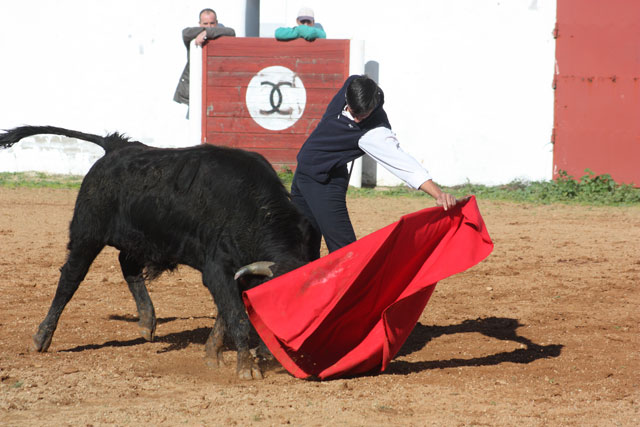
(382, 145)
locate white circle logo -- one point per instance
(276, 98)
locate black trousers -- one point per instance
(325, 206)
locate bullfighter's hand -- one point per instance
(446, 200)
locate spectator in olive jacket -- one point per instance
(208, 28)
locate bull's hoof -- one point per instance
(41, 342)
(252, 373)
(146, 333)
(213, 355)
(247, 368)
(245, 374)
(256, 373)
(214, 361)
(147, 324)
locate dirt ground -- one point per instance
(544, 332)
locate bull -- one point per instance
(219, 210)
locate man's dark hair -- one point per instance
(363, 95)
(208, 11)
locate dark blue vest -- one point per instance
(334, 142)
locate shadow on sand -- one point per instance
(495, 327)
(175, 340)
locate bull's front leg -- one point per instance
(133, 273)
(236, 325)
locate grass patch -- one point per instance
(39, 180)
(590, 189)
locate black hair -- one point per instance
(363, 95)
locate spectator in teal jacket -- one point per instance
(306, 28)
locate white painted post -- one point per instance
(195, 94)
(356, 66)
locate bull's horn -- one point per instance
(260, 268)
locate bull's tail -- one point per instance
(108, 143)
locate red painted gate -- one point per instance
(267, 96)
(597, 83)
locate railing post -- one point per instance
(195, 94)
(356, 66)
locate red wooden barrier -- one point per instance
(267, 96)
(597, 82)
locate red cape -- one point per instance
(350, 311)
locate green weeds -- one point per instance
(38, 180)
(590, 189)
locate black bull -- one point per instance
(218, 210)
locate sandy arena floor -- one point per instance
(545, 332)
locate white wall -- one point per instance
(467, 82)
(98, 67)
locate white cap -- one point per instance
(305, 13)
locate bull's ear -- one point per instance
(259, 268)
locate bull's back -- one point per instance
(170, 205)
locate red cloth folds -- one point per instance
(350, 311)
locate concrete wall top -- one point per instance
(467, 82)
